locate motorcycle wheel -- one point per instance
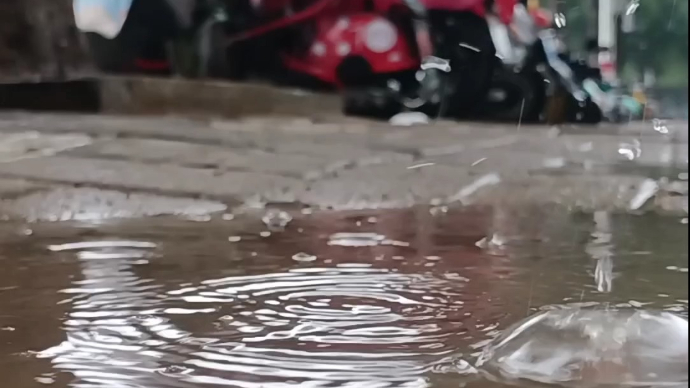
(585, 113)
(370, 103)
(524, 97)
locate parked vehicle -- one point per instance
(372, 50)
(367, 48)
(536, 80)
(452, 81)
(328, 43)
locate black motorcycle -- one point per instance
(450, 83)
(534, 80)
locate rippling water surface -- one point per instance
(392, 299)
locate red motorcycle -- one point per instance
(370, 49)
(454, 80)
(334, 43)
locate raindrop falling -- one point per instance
(632, 7)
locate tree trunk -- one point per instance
(40, 42)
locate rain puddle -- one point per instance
(405, 298)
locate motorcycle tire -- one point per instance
(584, 113)
(525, 99)
(370, 103)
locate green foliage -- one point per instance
(578, 17)
(660, 40)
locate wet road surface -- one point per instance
(396, 298)
(65, 167)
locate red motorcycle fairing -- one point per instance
(504, 8)
(365, 35)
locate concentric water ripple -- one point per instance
(342, 326)
(357, 303)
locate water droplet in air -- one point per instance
(630, 151)
(276, 219)
(660, 126)
(647, 190)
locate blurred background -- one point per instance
(651, 40)
(637, 48)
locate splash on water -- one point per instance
(364, 239)
(401, 300)
(303, 257)
(647, 190)
(593, 347)
(276, 219)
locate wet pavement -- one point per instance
(397, 298)
(322, 252)
(61, 167)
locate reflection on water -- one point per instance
(601, 250)
(393, 299)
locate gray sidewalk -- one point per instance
(62, 166)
